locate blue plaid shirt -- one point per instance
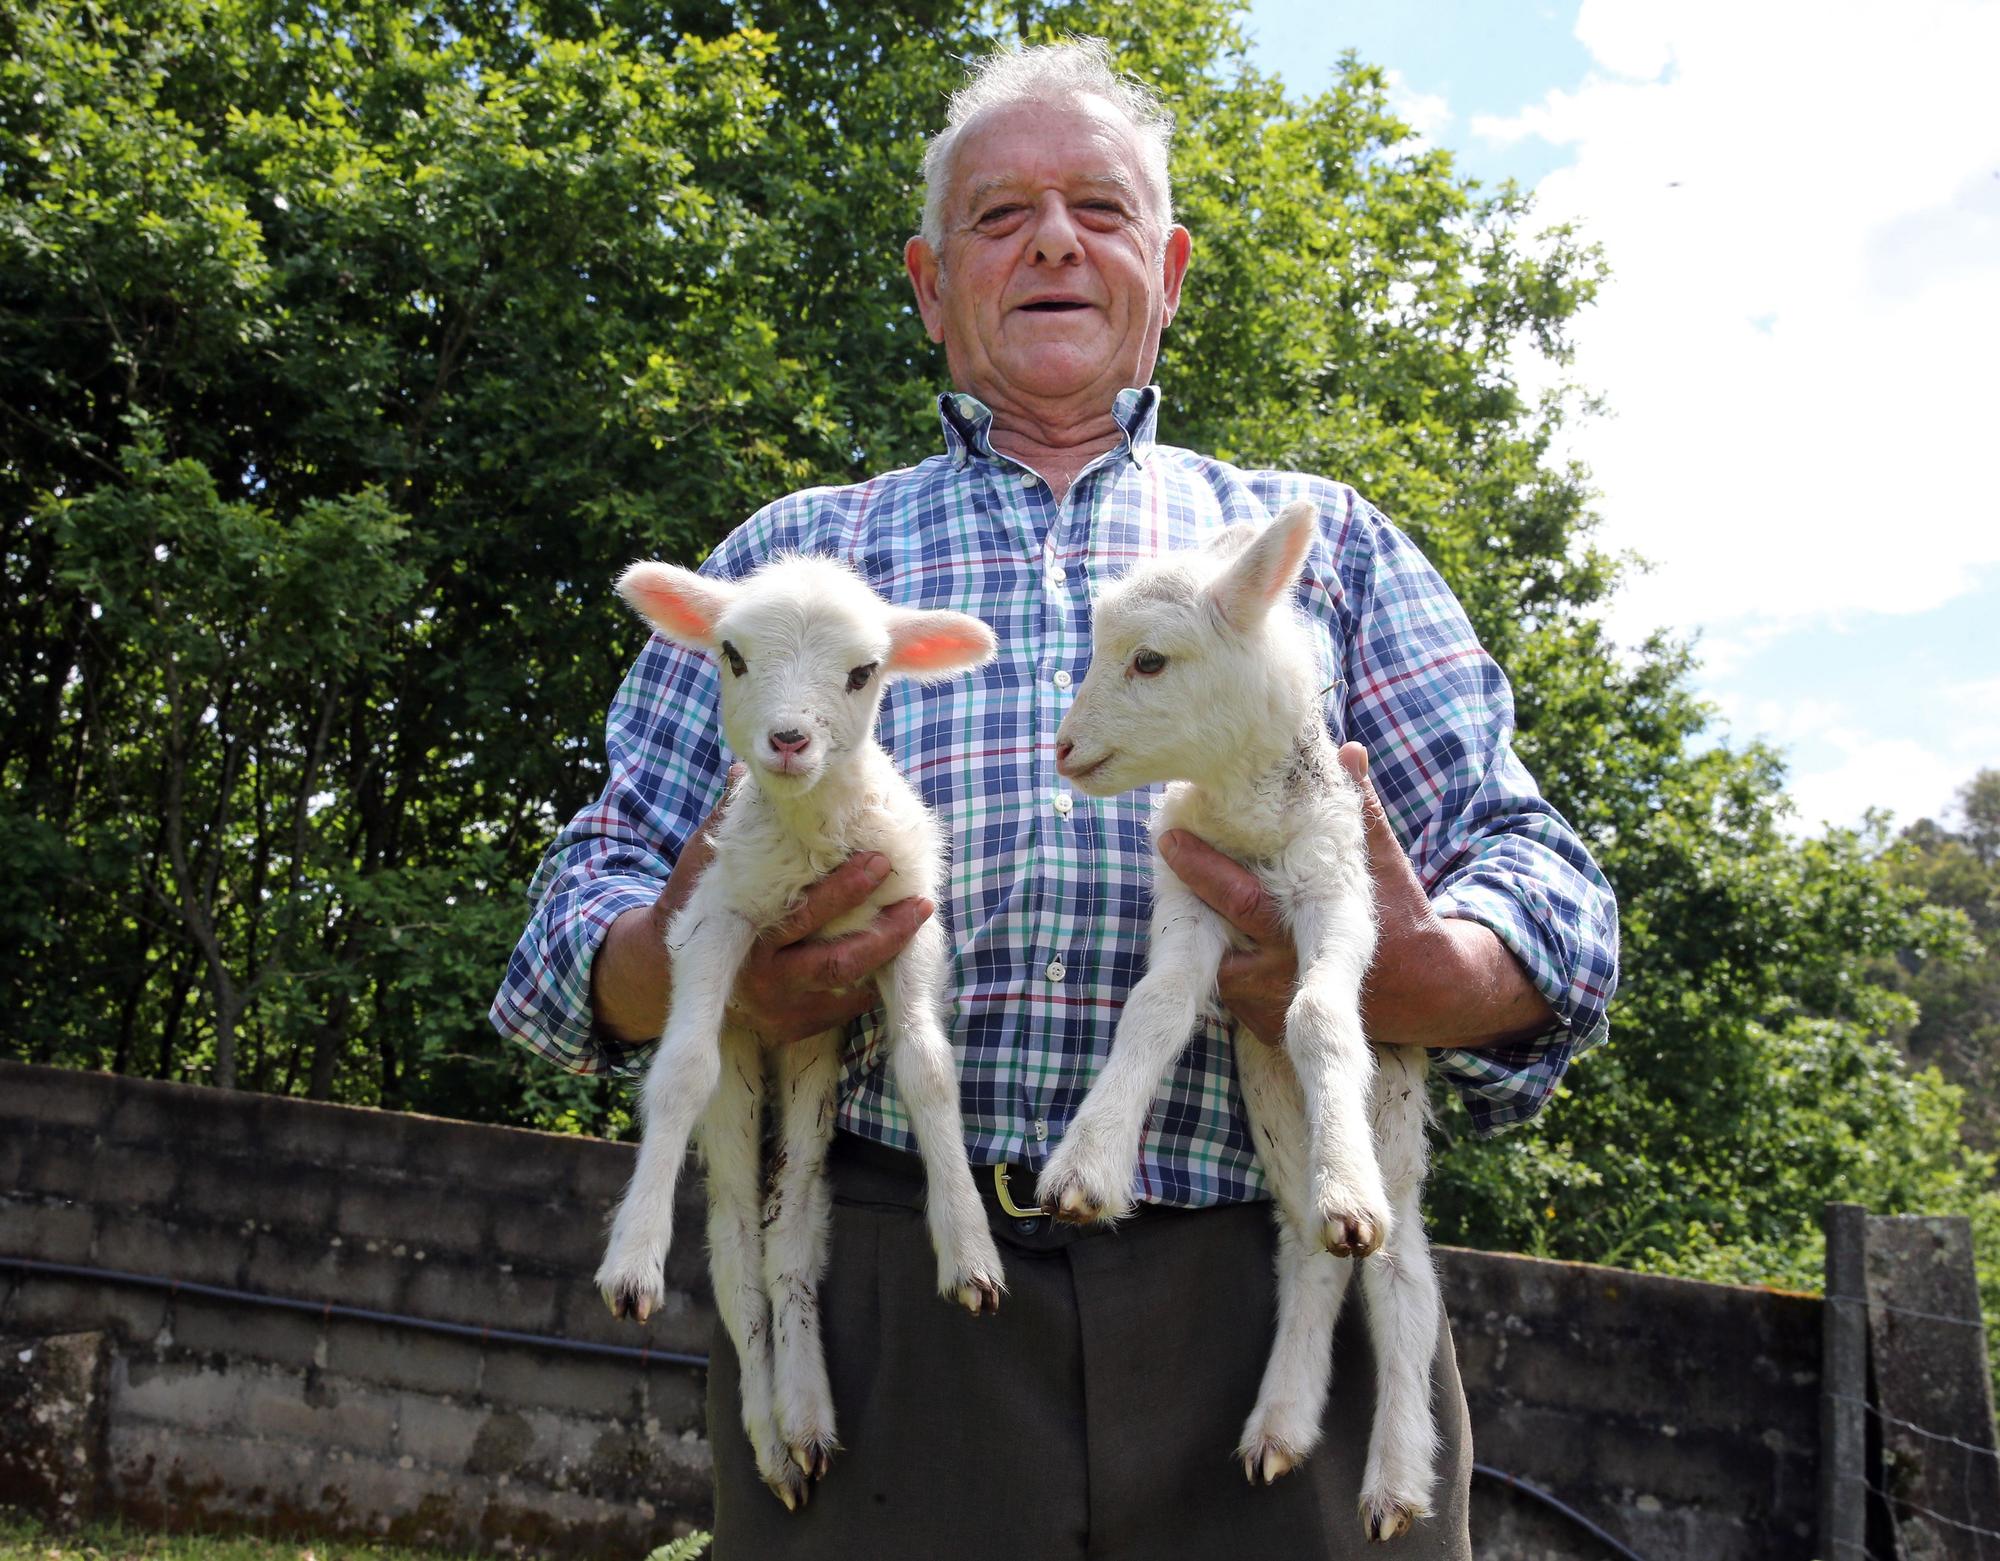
(1049, 890)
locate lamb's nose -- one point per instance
(792, 742)
(1063, 751)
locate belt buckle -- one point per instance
(1005, 1194)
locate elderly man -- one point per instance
(1096, 1415)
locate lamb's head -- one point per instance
(1197, 665)
(804, 648)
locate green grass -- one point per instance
(23, 1538)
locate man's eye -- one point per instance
(858, 678)
(1149, 663)
(734, 657)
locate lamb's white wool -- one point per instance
(804, 647)
(1339, 1125)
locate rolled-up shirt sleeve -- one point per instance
(666, 770)
(1437, 717)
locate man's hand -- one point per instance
(1435, 981)
(789, 987)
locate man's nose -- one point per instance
(1056, 237)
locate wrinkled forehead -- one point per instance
(1076, 141)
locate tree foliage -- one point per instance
(345, 357)
(1955, 866)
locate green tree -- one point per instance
(472, 286)
(1957, 1028)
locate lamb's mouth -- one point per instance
(1089, 769)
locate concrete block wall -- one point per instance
(216, 1414)
(1680, 1417)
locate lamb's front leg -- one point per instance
(1090, 1175)
(1401, 1287)
(732, 1133)
(679, 1082)
(1323, 1038)
(926, 1077)
(1311, 1282)
(798, 1219)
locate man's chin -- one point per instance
(1059, 370)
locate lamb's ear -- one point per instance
(678, 602)
(1266, 570)
(927, 645)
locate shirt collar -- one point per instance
(968, 425)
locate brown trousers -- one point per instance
(1095, 1417)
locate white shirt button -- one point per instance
(1056, 575)
(1062, 678)
(1041, 1130)
(1057, 970)
(1063, 803)
(1029, 479)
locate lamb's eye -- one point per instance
(858, 678)
(1149, 663)
(734, 657)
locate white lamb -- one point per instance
(805, 647)
(1212, 631)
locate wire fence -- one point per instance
(1906, 1470)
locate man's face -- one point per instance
(1055, 280)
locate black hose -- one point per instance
(1514, 1482)
(643, 1354)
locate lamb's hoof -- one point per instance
(1353, 1234)
(631, 1298)
(1383, 1518)
(1066, 1198)
(1265, 1462)
(790, 1485)
(978, 1294)
(813, 1457)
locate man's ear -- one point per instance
(1267, 569)
(921, 261)
(930, 645)
(1173, 268)
(681, 604)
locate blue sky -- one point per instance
(1800, 343)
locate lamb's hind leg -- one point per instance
(1401, 1287)
(798, 1218)
(732, 1142)
(926, 1077)
(679, 1082)
(1312, 1282)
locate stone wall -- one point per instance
(1680, 1417)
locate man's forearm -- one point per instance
(631, 978)
(1451, 983)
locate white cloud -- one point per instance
(1800, 208)
(1842, 763)
(1910, 779)
(1426, 113)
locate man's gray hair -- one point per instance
(1052, 73)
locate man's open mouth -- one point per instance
(1054, 306)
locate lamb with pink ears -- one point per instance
(805, 648)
